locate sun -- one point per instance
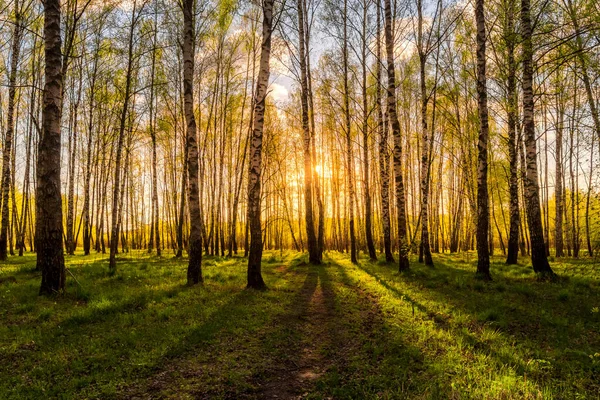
(323, 172)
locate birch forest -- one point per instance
(300, 199)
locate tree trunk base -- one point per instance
(404, 265)
(483, 276)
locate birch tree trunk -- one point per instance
(483, 212)
(365, 134)
(558, 191)
(180, 216)
(194, 272)
(587, 201)
(313, 247)
(384, 155)
(7, 151)
(425, 250)
(255, 279)
(348, 128)
(154, 240)
(239, 177)
(114, 236)
(317, 183)
(88, 164)
(395, 123)
(71, 244)
(511, 94)
(539, 259)
(33, 96)
(49, 224)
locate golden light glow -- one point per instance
(323, 172)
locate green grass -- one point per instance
(334, 331)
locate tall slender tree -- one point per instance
(155, 219)
(395, 123)
(71, 243)
(49, 224)
(255, 279)
(313, 247)
(34, 95)
(365, 136)
(532, 190)
(115, 226)
(483, 212)
(194, 272)
(384, 154)
(7, 151)
(509, 36)
(558, 192)
(87, 235)
(348, 132)
(422, 50)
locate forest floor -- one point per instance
(332, 331)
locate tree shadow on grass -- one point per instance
(19, 268)
(525, 302)
(281, 344)
(104, 309)
(512, 323)
(382, 362)
(296, 347)
(441, 321)
(211, 359)
(111, 321)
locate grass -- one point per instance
(338, 330)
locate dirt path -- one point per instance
(310, 316)
(322, 323)
(326, 323)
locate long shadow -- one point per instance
(457, 286)
(443, 323)
(223, 318)
(24, 267)
(282, 343)
(72, 328)
(227, 316)
(397, 366)
(103, 313)
(521, 299)
(444, 295)
(87, 361)
(131, 304)
(315, 324)
(576, 270)
(222, 323)
(162, 373)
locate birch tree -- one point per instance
(395, 123)
(49, 224)
(194, 271)
(532, 190)
(255, 279)
(483, 213)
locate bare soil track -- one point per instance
(322, 323)
(319, 331)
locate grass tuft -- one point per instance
(564, 295)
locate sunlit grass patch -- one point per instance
(484, 335)
(111, 331)
(427, 333)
